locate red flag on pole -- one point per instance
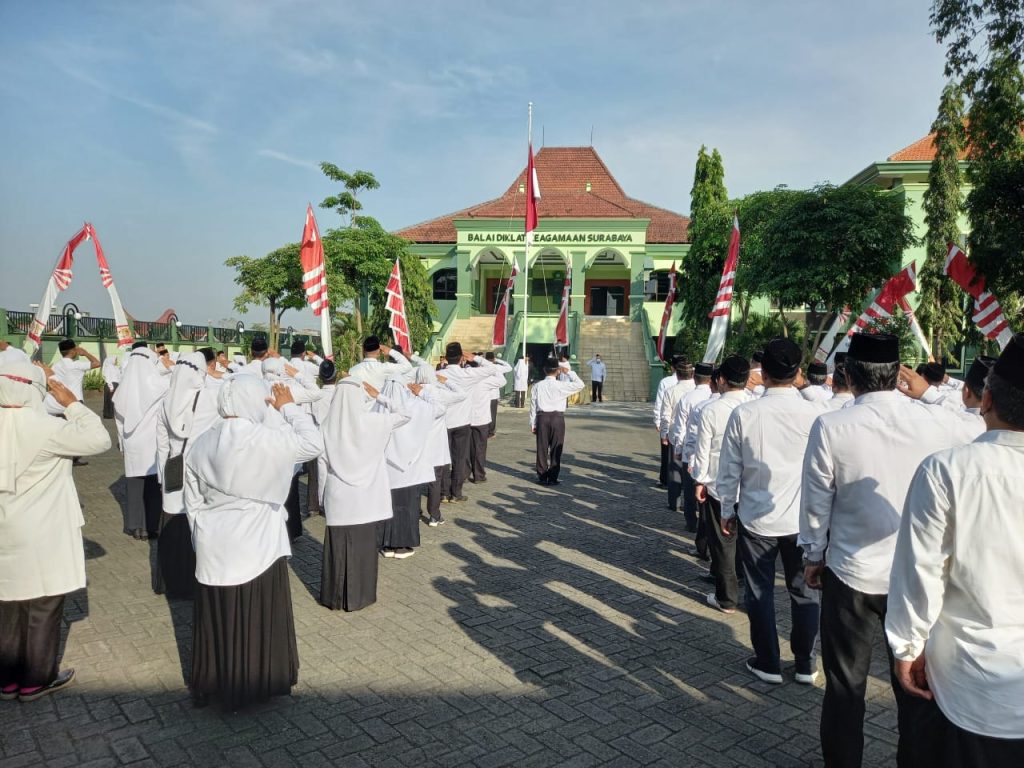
(988, 315)
(314, 278)
(532, 195)
(666, 316)
(501, 312)
(562, 327)
(396, 307)
(722, 309)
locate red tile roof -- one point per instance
(924, 149)
(562, 174)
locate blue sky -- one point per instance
(190, 131)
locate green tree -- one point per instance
(346, 202)
(830, 246)
(710, 226)
(274, 281)
(941, 304)
(972, 29)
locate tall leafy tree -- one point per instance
(972, 29)
(274, 281)
(346, 202)
(941, 307)
(710, 224)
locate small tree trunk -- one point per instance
(782, 320)
(272, 329)
(817, 335)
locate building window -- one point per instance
(445, 282)
(659, 283)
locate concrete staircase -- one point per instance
(621, 345)
(474, 333)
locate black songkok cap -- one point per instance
(139, 344)
(550, 365)
(327, 370)
(934, 373)
(976, 374)
(66, 345)
(682, 366)
(817, 369)
(703, 369)
(259, 344)
(371, 344)
(1010, 365)
(298, 348)
(208, 354)
(757, 356)
(735, 370)
(453, 352)
(875, 348)
(781, 359)
(840, 358)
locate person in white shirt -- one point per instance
(439, 393)
(11, 354)
(817, 389)
(956, 593)
(664, 386)
(760, 468)
(328, 373)
(711, 422)
(520, 383)
(70, 371)
(260, 350)
(548, 401)
(666, 401)
(857, 468)
(598, 373)
(841, 394)
(495, 386)
(375, 371)
(306, 362)
(42, 556)
(484, 408)
(680, 481)
(973, 390)
(756, 382)
(111, 370)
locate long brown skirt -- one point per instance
(176, 559)
(349, 578)
(243, 640)
(402, 529)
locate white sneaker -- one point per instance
(401, 554)
(804, 679)
(768, 677)
(712, 600)
(388, 552)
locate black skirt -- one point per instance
(291, 505)
(349, 577)
(402, 530)
(108, 401)
(176, 559)
(243, 640)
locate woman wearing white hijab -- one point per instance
(236, 482)
(136, 413)
(356, 493)
(180, 421)
(42, 556)
(440, 393)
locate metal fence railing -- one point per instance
(193, 332)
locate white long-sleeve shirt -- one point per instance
(664, 386)
(487, 391)
(856, 471)
(957, 587)
(761, 462)
(550, 394)
(468, 379)
(816, 393)
(681, 416)
(598, 370)
(669, 402)
(711, 424)
(374, 372)
(522, 376)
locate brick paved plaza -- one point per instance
(540, 627)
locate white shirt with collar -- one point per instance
(495, 384)
(467, 379)
(664, 386)
(71, 373)
(690, 436)
(671, 399)
(839, 400)
(761, 461)
(374, 372)
(550, 395)
(487, 391)
(856, 471)
(677, 424)
(598, 370)
(711, 425)
(816, 393)
(957, 585)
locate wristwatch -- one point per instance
(813, 563)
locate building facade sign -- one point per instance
(552, 238)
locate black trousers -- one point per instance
(458, 445)
(478, 453)
(312, 486)
(291, 505)
(434, 492)
(722, 549)
(108, 401)
(519, 398)
(676, 471)
(143, 504)
(759, 554)
(689, 500)
(849, 621)
(494, 418)
(939, 743)
(597, 391)
(700, 537)
(550, 441)
(30, 640)
(666, 451)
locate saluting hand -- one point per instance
(61, 394)
(291, 370)
(371, 390)
(281, 395)
(415, 388)
(911, 383)
(441, 379)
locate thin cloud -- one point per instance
(273, 154)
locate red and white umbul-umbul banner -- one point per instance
(314, 278)
(532, 196)
(719, 314)
(987, 315)
(562, 326)
(396, 307)
(60, 280)
(666, 315)
(501, 311)
(842, 318)
(915, 326)
(882, 305)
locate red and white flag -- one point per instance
(723, 301)
(60, 280)
(532, 196)
(396, 307)
(666, 315)
(562, 326)
(842, 318)
(915, 326)
(988, 315)
(314, 278)
(501, 311)
(882, 305)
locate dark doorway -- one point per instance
(608, 300)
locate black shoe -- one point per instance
(79, 463)
(543, 481)
(459, 499)
(62, 680)
(553, 482)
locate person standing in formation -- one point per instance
(495, 386)
(756, 383)
(857, 469)
(70, 371)
(260, 351)
(42, 555)
(137, 411)
(236, 481)
(307, 366)
(711, 423)
(375, 371)
(956, 594)
(598, 373)
(11, 354)
(482, 415)
(329, 379)
(817, 389)
(758, 482)
(683, 384)
(660, 422)
(548, 401)
(520, 382)
(680, 480)
(111, 376)
(841, 394)
(436, 391)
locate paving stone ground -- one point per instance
(557, 626)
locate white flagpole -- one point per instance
(526, 243)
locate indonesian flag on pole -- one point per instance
(842, 318)
(314, 278)
(396, 306)
(666, 315)
(562, 326)
(501, 311)
(723, 301)
(532, 196)
(988, 315)
(882, 305)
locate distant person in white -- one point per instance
(111, 371)
(520, 382)
(70, 371)
(664, 386)
(548, 401)
(598, 373)
(817, 389)
(957, 587)
(11, 354)
(841, 394)
(373, 370)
